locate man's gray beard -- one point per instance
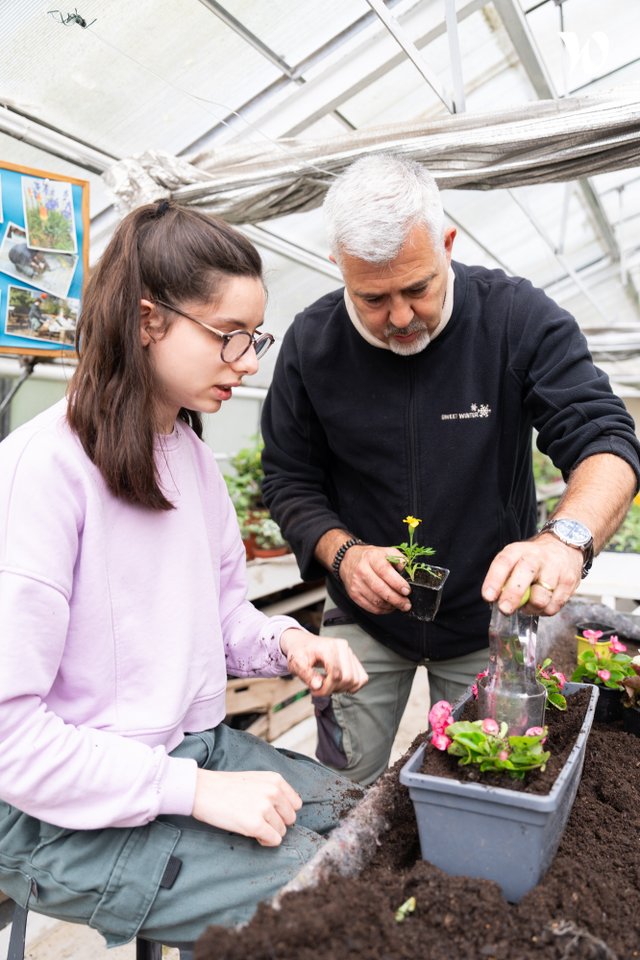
(408, 349)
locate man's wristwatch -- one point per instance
(574, 534)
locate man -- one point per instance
(27, 261)
(414, 391)
(37, 320)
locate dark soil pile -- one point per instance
(585, 908)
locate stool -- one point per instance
(145, 949)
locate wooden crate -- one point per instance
(280, 702)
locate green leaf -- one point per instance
(405, 909)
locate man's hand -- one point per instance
(326, 664)
(551, 568)
(372, 582)
(254, 803)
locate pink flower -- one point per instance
(592, 635)
(440, 741)
(490, 726)
(604, 675)
(474, 686)
(560, 677)
(615, 646)
(440, 717)
(503, 755)
(534, 732)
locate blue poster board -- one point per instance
(44, 255)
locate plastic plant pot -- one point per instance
(584, 644)
(631, 720)
(426, 592)
(609, 707)
(493, 833)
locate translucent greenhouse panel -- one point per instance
(234, 426)
(586, 40)
(296, 31)
(122, 93)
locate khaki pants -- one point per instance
(170, 879)
(356, 731)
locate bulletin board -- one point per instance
(44, 257)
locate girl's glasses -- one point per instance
(235, 344)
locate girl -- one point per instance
(125, 802)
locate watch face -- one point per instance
(572, 531)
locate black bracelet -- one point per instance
(339, 557)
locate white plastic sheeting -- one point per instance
(549, 141)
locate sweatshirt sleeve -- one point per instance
(295, 457)
(251, 639)
(572, 404)
(74, 776)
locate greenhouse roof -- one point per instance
(526, 111)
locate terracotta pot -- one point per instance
(426, 592)
(260, 552)
(248, 547)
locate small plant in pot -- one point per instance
(631, 700)
(426, 579)
(593, 635)
(245, 489)
(607, 668)
(266, 537)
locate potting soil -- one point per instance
(585, 908)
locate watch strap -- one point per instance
(586, 549)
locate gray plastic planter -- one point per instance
(469, 829)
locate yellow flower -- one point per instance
(412, 522)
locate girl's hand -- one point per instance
(254, 803)
(325, 664)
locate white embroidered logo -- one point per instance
(476, 410)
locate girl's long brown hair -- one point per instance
(159, 251)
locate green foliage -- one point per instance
(625, 540)
(606, 669)
(553, 682)
(627, 537)
(405, 909)
(53, 234)
(412, 551)
(544, 471)
(245, 483)
(496, 752)
(266, 533)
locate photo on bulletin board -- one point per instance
(53, 272)
(40, 318)
(44, 252)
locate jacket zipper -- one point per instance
(414, 484)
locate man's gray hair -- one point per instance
(372, 207)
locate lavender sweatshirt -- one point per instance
(118, 626)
